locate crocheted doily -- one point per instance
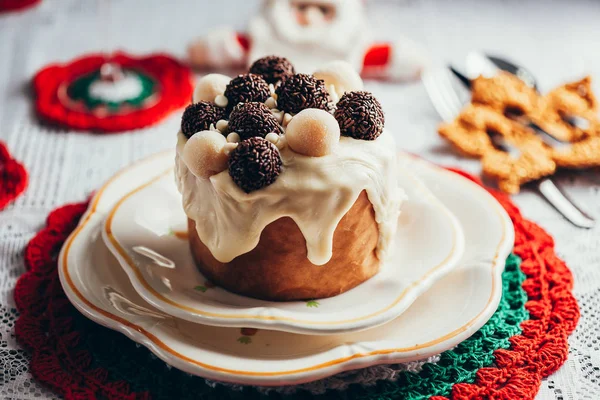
(75, 95)
(13, 177)
(524, 341)
(16, 5)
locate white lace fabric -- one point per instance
(66, 167)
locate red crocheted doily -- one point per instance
(16, 5)
(13, 177)
(46, 322)
(167, 85)
(543, 345)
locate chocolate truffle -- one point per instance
(253, 119)
(246, 88)
(360, 115)
(254, 164)
(301, 91)
(198, 117)
(272, 68)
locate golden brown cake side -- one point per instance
(278, 269)
(289, 181)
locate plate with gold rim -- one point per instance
(146, 232)
(452, 310)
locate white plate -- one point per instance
(146, 231)
(452, 310)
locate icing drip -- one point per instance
(316, 192)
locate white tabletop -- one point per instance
(556, 40)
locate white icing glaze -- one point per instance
(316, 192)
(126, 88)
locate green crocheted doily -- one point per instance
(133, 363)
(79, 90)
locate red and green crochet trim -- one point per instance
(524, 341)
(13, 177)
(62, 93)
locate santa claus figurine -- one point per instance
(310, 33)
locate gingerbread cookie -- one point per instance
(534, 162)
(572, 99)
(470, 134)
(469, 131)
(569, 100)
(504, 105)
(504, 93)
(582, 154)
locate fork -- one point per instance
(542, 134)
(448, 104)
(488, 65)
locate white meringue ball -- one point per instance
(203, 154)
(210, 86)
(341, 75)
(313, 132)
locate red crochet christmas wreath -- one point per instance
(48, 326)
(16, 5)
(62, 92)
(13, 177)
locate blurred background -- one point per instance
(556, 40)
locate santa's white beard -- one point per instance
(275, 31)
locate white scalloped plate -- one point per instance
(451, 311)
(146, 231)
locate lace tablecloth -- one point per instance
(556, 40)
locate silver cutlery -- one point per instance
(487, 65)
(439, 84)
(545, 136)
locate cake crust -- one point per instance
(278, 267)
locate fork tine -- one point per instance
(448, 91)
(442, 93)
(437, 100)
